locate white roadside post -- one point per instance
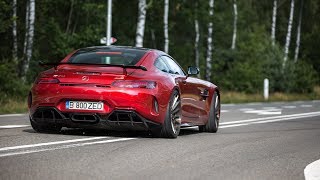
(109, 23)
(112, 40)
(109, 27)
(266, 89)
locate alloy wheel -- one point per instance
(175, 113)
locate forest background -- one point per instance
(236, 44)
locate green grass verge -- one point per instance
(237, 97)
(15, 105)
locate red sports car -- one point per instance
(122, 88)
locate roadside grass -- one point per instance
(238, 97)
(13, 105)
(18, 105)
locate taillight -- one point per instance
(134, 84)
(47, 81)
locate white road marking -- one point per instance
(66, 146)
(265, 112)
(224, 111)
(233, 125)
(268, 120)
(284, 119)
(246, 109)
(11, 115)
(62, 144)
(13, 126)
(312, 171)
(306, 105)
(51, 143)
(270, 113)
(269, 108)
(317, 113)
(289, 107)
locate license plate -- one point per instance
(83, 105)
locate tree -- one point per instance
(165, 26)
(197, 37)
(78, 24)
(28, 44)
(209, 42)
(25, 44)
(288, 37)
(274, 21)
(141, 23)
(234, 37)
(30, 35)
(70, 16)
(296, 52)
(14, 31)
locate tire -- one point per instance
(51, 128)
(214, 116)
(171, 125)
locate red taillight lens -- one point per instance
(47, 81)
(134, 84)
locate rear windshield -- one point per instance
(117, 56)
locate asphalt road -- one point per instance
(255, 141)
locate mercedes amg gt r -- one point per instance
(122, 88)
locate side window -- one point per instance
(173, 66)
(162, 66)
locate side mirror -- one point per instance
(193, 70)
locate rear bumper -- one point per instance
(121, 120)
(139, 100)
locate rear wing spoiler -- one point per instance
(55, 65)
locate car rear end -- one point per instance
(96, 96)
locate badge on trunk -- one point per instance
(85, 78)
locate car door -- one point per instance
(201, 93)
(189, 92)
